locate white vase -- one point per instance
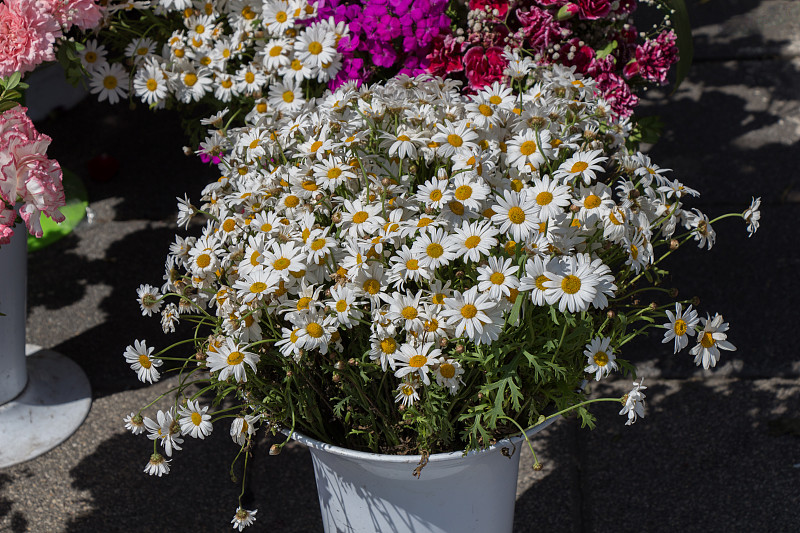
(367, 493)
(13, 284)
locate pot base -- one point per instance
(52, 406)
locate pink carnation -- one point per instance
(540, 28)
(7, 218)
(593, 9)
(85, 14)
(25, 171)
(445, 56)
(616, 92)
(654, 58)
(27, 36)
(483, 67)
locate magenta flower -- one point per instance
(483, 66)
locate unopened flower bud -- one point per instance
(537, 466)
(337, 378)
(673, 293)
(460, 348)
(673, 244)
(443, 342)
(274, 449)
(695, 301)
(653, 306)
(611, 314)
(567, 11)
(336, 218)
(386, 182)
(339, 365)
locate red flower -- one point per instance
(445, 57)
(483, 66)
(593, 9)
(499, 5)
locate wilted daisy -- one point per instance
(243, 518)
(407, 393)
(680, 326)
(599, 358)
(230, 359)
(149, 299)
(134, 422)
(165, 429)
(243, 427)
(157, 465)
(138, 356)
(634, 403)
(752, 216)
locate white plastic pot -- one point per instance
(13, 285)
(367, 493)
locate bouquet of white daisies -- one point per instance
(402, 268)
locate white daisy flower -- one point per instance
(139, 48)
(134, 423)
(193, 85)
(149, 299)
(149, 84)
(574, 287)
(704, 234)
(536, 275)
(163, 429)
(194, 420)
(383, 349)
(469, 191)
(277, 17)
(403, 144)
(475, 240)
(525, 151)
(343, 303)
(497, 278)
(276, 54)
(417, 359)
(710, 341)
(453, 137)
(434, 249)
(404, 266)
(550, 197)
(93, 56)
(138, 356)
(109, 82)
(467, 312)
(243, 427)
(681, 326)
(752, 216)
(581, 164)
(599, 358)
(230, 359)
(406, 309)
(516, 215)
(315, 332)
(285, 96)
(448, 374)
(434, 193)
(316, 46)
(284, 258)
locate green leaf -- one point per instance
(610, 47)
(6, 105)
(12, 81)
(513, 317)
(683, 30)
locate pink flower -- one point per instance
(615, 91)
(7, 218)
(25, 171)
(582, 56)
(85, 14)
(484, 66)
(654, 58)
(593, 9)
(540, 28)
(27, 36)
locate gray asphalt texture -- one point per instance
(718, 450)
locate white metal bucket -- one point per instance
(13, 287)
(367, 493)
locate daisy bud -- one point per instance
(696, 301)
(187, 151)
(673, 244)
(635, 194)
(337, 378)
(386, 182)
(460, 348)
(537, 466)
(352, 362)
(611, 314)
(574, 208)
(200, 356)
(289, 373)
(339, 365)
(673, 293)
(459, 274)
(443, 342)
(274, 449)
(336, 218)
(653, 306)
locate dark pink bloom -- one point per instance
(27, 36)
(654, 58)
(540, 28)
(593, 9)
(582, 56)
(445, 56)
(484, 66)
(615, 91)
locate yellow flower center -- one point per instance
(371, 286)
(447, 370)
(388, 345)
(540, 281)
(592, 201)
(145, 361)
(455, 140)
(315, 330)
(334, 173)
(469, 311)
(544, 198)
(315, 47)
(436, 195)
(190, 79)
(197, 419)
(464, 192)
(316, 146)
(412, 264)
(497, 278)
(90, 57)
(431, 325)
(203, 260)
(318, 244)
(580, 166)
(291, 201)
(110, 82)
(434, 250)
(275, 51)
(258, 287)
(288, 97)
(235, 358)
(297, 65)
(281, 16)
(341, 306)
(571, 284)
(409, 313)
(472, 241)
(142, 50)
(438, 298)
(403, 138)
(707, 341)
(281, 264)
(360, 217)
(417, 361)
(600, 358)
(456, 207)
(634, 252)
(200, 29)
(516, 215)
(494, 99)
(680, 327)
(516, 185)
(226, 84)
(527, 148)
(249, 77)
(485, 110)
(152, 85)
